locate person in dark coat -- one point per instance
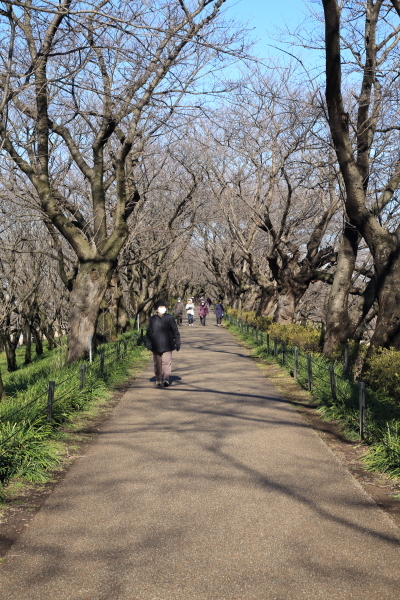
(219, 312)
(162, 337)
(203, 312)
(178, 311)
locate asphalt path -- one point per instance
(213, 489)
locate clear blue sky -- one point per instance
(266, 18)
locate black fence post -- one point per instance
(332, 379)
(50, 400)
(361, 401)
(295, 362)
(283, 353)
(275, 347)
(346, 360)
(118, 350)
(102, 364)
(125, 343)
(267, 343)
(82, 375)
(309, 372)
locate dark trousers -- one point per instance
(190, 319)
(178, 319)
(202, 320)
(219, 319)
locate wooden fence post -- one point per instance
(50, 400)
(332, 379)
(362, 405)
(82, 375)
(309, 372)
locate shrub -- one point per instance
(383, 373)
(249, 316)
(306, 338)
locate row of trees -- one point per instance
(131, 169)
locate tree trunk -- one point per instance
(2, 392)
(50, 336)
(337, 318)
(387, 329)
(286, 307)
(9, 348)
(86, 296)
(28, 345)
(38, 341)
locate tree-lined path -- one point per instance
(214, 489)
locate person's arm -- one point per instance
(149, 334)
(176, 335)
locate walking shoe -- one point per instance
(166, 383)
(158, 383)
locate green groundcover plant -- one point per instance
(29, 443)
(382, 419)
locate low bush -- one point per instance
(306, 338)
(249, 316)
(383, 373)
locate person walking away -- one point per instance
(162, 337)
(190, 311)
(203, 312)
(219, 313)
(209, 302)
(178, 312)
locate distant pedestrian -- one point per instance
(190, 311)
(203, 312)
(209, 302)
(178, 311)
(219, 312)
(162, 337)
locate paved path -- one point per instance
(214, 489)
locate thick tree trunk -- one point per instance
(50, 337)
(86, 296)
(286, 306)
(38, 341)
(28, 345)
(337, 319)
(387, 329)
(9, 348)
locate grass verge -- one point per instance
(382, 424)
(31, 445)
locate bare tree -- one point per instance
(84, 88)
(372, 42)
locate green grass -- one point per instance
(30, 446)
(382, 426)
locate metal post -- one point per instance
(346, 359)
(90, 348)
(50, 400)
(275, 347)
(283, 353)
(102, 364)
(82, 375)
(309, 372)
(138, 322)
(118, 350)
(361, 401)
(332, 379)
(267, 344)
(125, 343)
(295, 362)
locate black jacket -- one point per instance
(162, 334)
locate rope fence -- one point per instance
(85, 374)
(372, 416)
